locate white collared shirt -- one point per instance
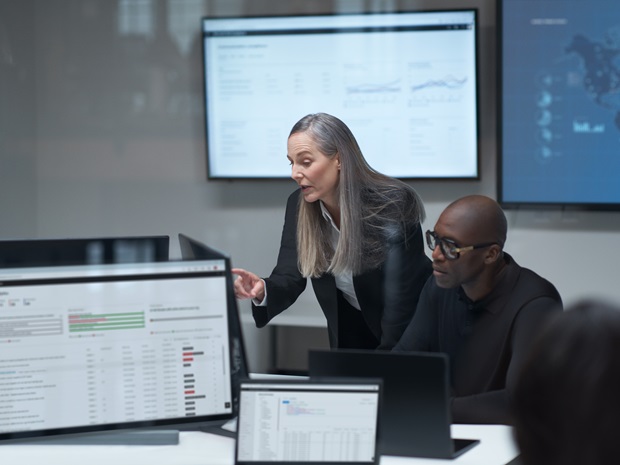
(344, 282)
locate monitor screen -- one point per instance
(559, 95)
(95, 348)
(308, 422)
(405, 84)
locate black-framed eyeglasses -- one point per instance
(449, 248)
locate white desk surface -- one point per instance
(195, 448)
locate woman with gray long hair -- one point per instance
(354, 232)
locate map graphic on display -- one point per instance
(560, 103)
(601, 63)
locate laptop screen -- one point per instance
(415, 421)
(92, 348)
(309, 422)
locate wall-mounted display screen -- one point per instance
(405, 84)
(559, 96)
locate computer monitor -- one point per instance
(83, 250)
(96, 348)
(192, 249)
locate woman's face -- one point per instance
(316, 174)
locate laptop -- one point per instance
(416, 415)
(309, 422)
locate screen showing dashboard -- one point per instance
(309, 422)
(405, 84)
(559, 95)
(92, 348)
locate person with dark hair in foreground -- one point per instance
(566, 402)
(479, 307)
(354, 232)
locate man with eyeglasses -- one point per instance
(479, 307)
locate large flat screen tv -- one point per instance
(96, 348)
(559, 96)
(405, 83)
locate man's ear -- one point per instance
(494, 253)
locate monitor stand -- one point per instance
(219, 430)
(153, 437)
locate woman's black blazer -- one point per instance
(387, 295)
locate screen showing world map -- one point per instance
(559, 96)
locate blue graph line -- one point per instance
(367, 88)
(449, 82)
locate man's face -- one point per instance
(465, 270)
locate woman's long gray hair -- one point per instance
(374, 208)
